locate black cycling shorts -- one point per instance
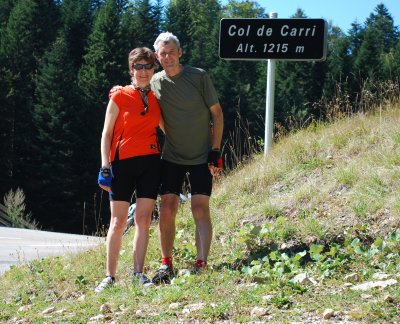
(140, 172)
(173, 176)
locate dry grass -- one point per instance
(317, 185)
(339, 174)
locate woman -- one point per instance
(130, 156)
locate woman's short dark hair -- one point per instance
(141, 53)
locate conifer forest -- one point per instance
(59, 59)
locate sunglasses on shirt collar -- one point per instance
(138, 66)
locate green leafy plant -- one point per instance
(281, 301)
(81, 280)
(329, 262)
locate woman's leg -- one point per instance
(143, 213)
(119, 216)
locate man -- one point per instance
(188, 100)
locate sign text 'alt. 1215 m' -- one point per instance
(283, 39)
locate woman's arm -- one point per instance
(108, 129)
(106, 138)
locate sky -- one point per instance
(341, 12)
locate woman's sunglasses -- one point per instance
(138, 66)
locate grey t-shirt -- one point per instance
(185, 100)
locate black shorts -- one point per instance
(140, 172)
(173, 176)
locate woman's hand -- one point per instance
(104, 179)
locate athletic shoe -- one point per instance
(199, 266)
(164, 274)
(143, 280)
(106, 283)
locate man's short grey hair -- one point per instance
(166, 38)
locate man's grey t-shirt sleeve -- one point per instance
(209, 93)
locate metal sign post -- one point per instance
(269, 107)
(272, 39)
(269, 103)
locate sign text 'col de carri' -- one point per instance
(282, 39)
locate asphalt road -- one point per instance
(19, 246)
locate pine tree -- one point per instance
(76, 23)
(243, 9)
(105, 65)
(338, 60)
(58, 117)
(178, 20)
(382, 21)
(396, 63)
(59, 121)
(298, 86)
(356, 36)
(380, 37)
(30, 28)
(368, 64)
(241, 89)
(143, 23)
(5, 9)
(338, 74)
(205, 30)
(105, 61)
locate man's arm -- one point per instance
(214, 156)
(218, 125)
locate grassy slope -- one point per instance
(324, 185)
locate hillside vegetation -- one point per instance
(310, 234)
(59, 59)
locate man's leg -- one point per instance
(201, 215)
(166, 233)
(119, 216)
(143, 213)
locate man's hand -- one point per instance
(114, 89)
(104, 179)
(215, 162)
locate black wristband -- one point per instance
(213, 156)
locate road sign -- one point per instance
(282, 39)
